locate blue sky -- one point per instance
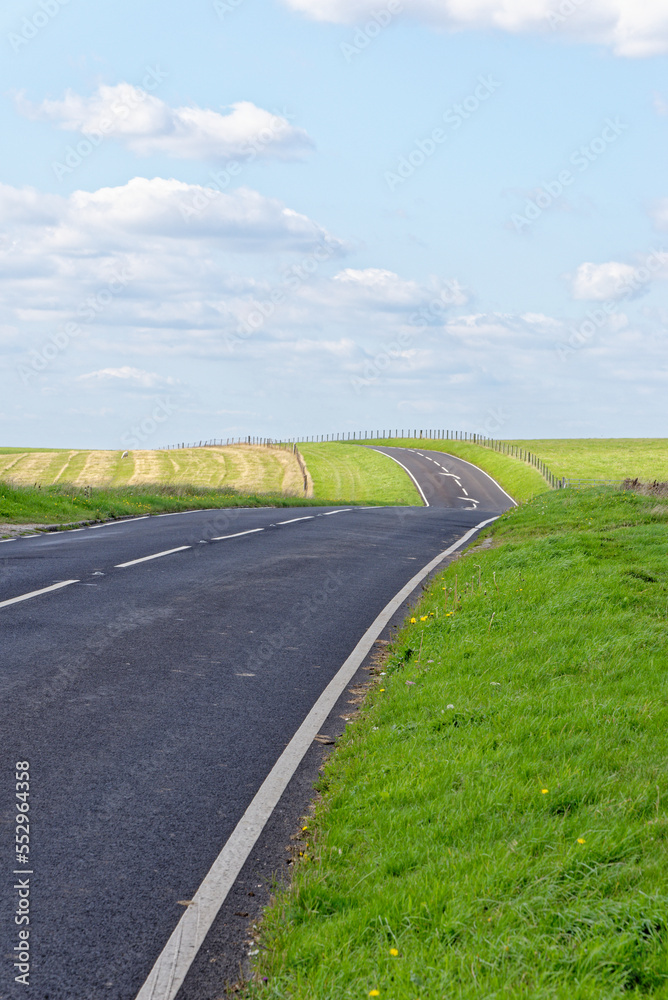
(309, 216)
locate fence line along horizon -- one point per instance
(359, 437)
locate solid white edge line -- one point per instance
(156, 555)
(36, 593)
(251, 531)
(7, 540)
(293, 519)
(426, 502)
(174, 961)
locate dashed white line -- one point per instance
(237, 534)
(294, 519)
(343, 510)
(156, 555)
(8, 540)
(36, 593)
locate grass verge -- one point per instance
(358, 475)
(65, 503)
(493, 824)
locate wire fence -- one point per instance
(364, 436)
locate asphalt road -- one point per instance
(152, 700)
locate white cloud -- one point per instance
(148, 126)
(131, 376)
(144, 211)
(600, 282)
(388, 290)
(613, 281)
(629, 27)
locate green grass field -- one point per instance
(605, 458)
(494, 825)
(362, 475)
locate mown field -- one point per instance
(494, 822)
(244, 467)
(60, 487)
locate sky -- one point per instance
(299, 217)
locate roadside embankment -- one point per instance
(62, 504)
(493, 824)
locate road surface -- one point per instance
(152, 682)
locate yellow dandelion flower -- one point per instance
(394, 951)
(413, 620)
(423, 618)
(544, 791)
(374, 993)
(382, 689)
(581, 840)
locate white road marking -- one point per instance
(453, 475)
(426, 502)
(342, 511)
(293, 519)
(7, 540)
(464, 491)
(156, 555)
(36, 593)
(491, 478)
(173, 963)
(124, 520)
(237, 534)
(470, 500)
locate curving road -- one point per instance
(154, 673)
